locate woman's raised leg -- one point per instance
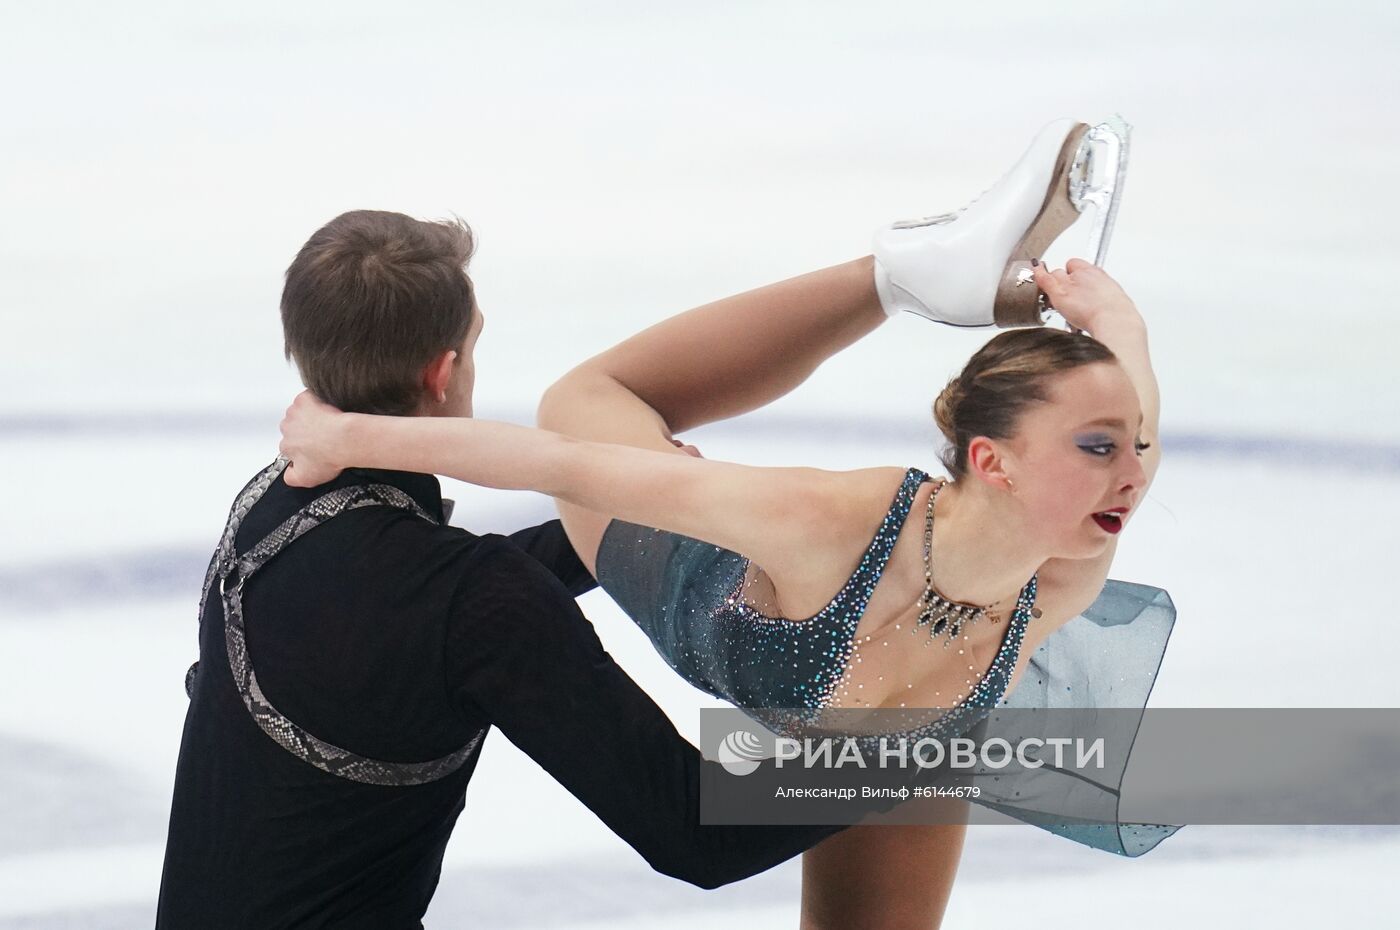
(721, 360)
(707, 364)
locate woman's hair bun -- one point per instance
(945, 408)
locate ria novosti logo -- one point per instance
(741, 752)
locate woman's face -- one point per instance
(1076, 456)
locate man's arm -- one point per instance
(549, 545)
(523, 656)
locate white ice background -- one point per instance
(160, 163)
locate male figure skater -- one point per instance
(354, 649)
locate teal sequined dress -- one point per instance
(688, 597)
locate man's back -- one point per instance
(382, 639)
(349, 635)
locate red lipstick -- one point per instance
(1111, 521)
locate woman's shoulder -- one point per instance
(827, 522)
(853, 496)
(876, 481)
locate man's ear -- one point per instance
(436, 376)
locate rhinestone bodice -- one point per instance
(689, 597)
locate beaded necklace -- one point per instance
(941, 614)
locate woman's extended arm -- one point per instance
(1088, 298)
(1085, 295)
(763, 513)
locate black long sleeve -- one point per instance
(522, 656)
(549, 545)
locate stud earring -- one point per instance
(1011, 485)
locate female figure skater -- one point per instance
(731, 569)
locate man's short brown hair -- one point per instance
(370, 300)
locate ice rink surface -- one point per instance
(621, 162)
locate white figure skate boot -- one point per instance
(973, 267)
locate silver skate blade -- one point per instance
(1096, 178)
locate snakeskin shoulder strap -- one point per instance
(231, 571)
